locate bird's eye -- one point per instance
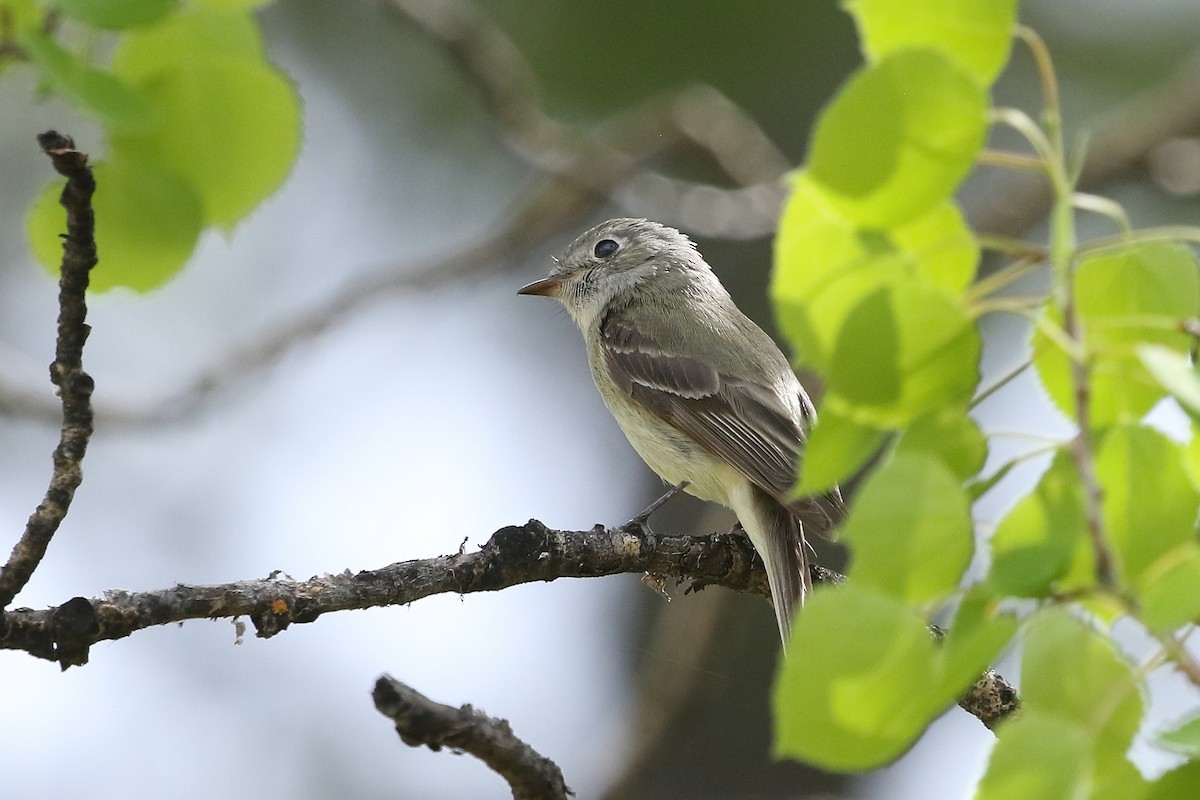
(605, 248)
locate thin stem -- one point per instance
(1058, 337)
(1009, 305)
(1045, 68)
(1004, 158)
(1002, 278)
(1017, 248)
(1162, 233)
(1105, 207)
(1000, 384)
(1180, 657)
(1021, 122)
(1048, 141)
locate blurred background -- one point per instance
(445, 407)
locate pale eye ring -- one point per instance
(605, 248)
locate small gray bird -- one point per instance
(702, 394)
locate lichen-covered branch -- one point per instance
(513, 555)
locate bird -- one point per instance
(703, 395)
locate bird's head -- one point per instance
(609, 261)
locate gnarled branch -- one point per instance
(66, 372)
(421, 721)
(513, 555)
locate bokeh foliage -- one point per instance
(200, 127)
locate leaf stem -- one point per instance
(1005, 158)
(1009, 304)
(1045, 67)
(1000, 384)
(1047, 139)
(1162, 233)
(1002, 278)
(1105, 207)
(1180, 657)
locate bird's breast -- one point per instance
(673, 455)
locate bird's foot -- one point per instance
(739, 531)
(640, 520)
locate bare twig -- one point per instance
(66, 372)
(513, 555)
(421, 721)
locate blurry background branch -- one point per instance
(577, 173)
(421, 721)
(513, 555)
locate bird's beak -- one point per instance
(546, 287)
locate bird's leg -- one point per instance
(655, 581)
(640, 520)
(737, 530)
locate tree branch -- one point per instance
(513, 555)
(66, 372)
(421, 721)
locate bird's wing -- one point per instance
(736, 420)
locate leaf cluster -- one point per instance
(875, 286)
(200, 126)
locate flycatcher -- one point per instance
(702, 394)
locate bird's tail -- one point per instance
(778, 536)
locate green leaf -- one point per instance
(1075, 673)
(232, 5)
(116, 14)
(24, 17)
(940, 246)
(910, 533)
(1191, 456)
(1035, 545)
(1178, 784)
(872, 309)
(952, 437)
(976, 636)
(1124, 299)
(836, 449)
(147, 224)
(868, 336)
(816, 243)
(1175, 373)
(975, 34)
(1149, 502)
(869, 694)
(1184, 739)
(114, 102)
(1169, 590)
(181, 39)
(898, 138)
(1117, 779)
(1037, 756)
(978, 487)
(229, 127)
(1081, 707)
(893, 346)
